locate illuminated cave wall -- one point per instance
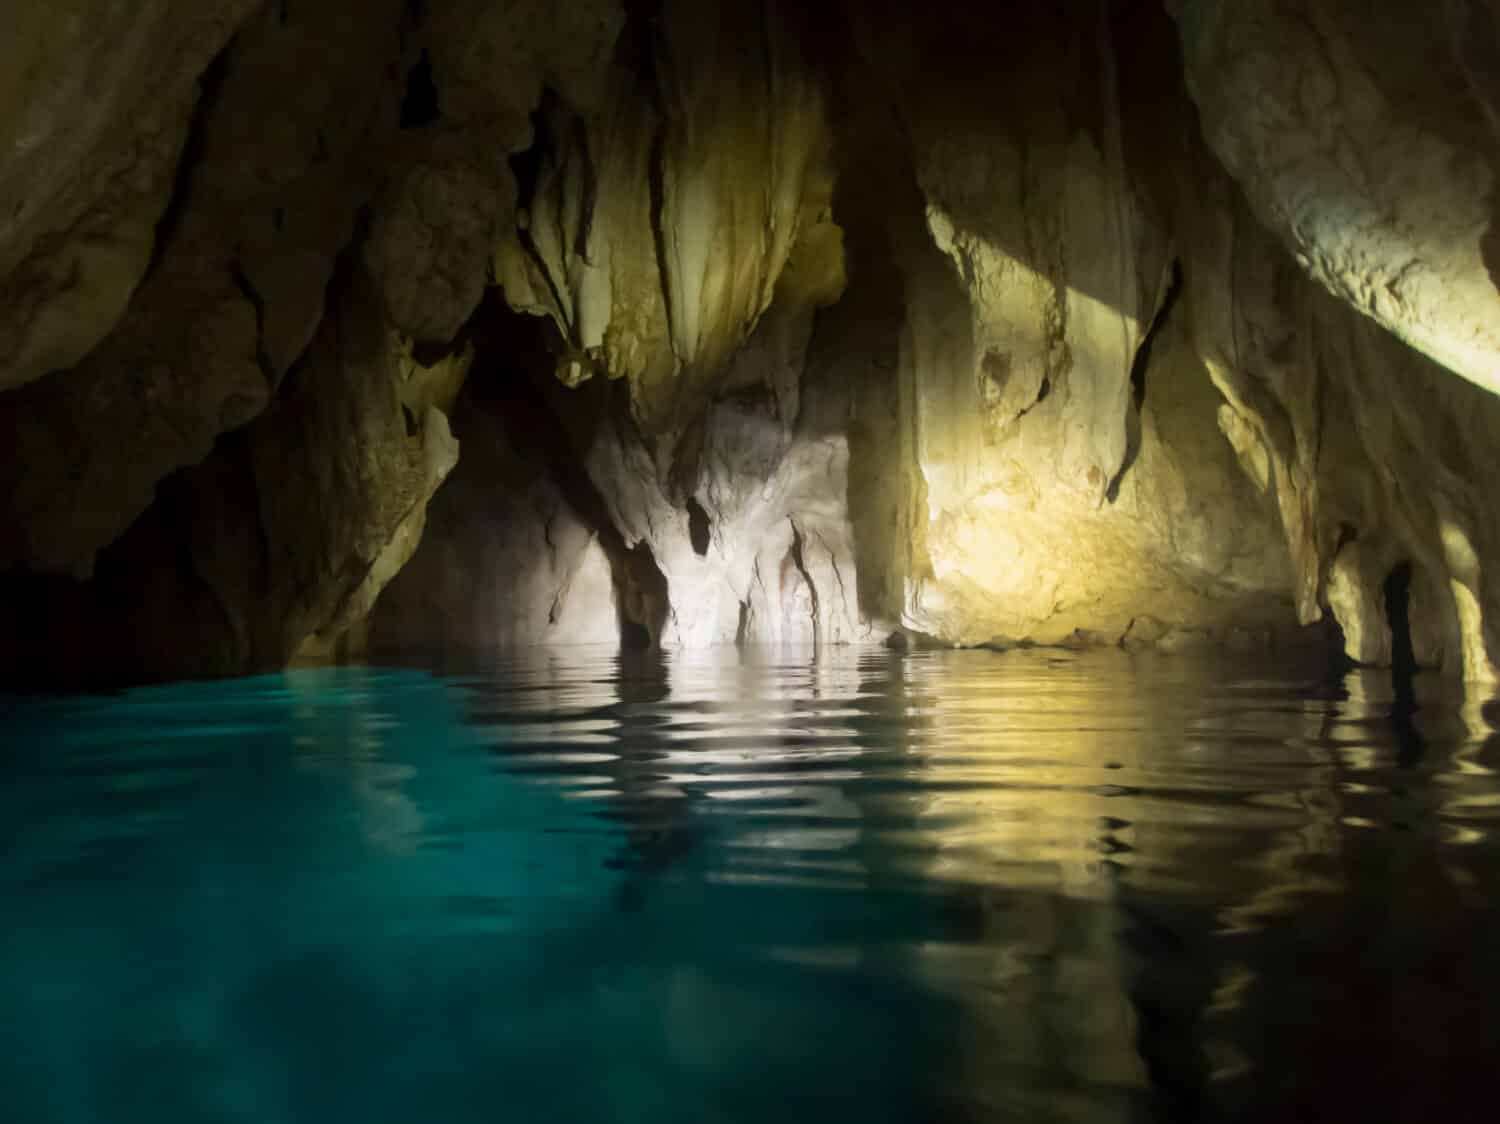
(338, 327)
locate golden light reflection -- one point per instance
(1052, 835)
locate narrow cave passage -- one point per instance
(553, 426)
(419, 104)
(1410, 743)
(1396, 596)
(700, 526)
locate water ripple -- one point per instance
(940, 886)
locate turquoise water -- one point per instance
(867, 887)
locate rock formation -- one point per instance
(1364, 136)
(1157, 323)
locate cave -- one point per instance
(755, 445)
(700, 527)
(1396, 593)
(909, 323)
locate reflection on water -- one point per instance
(947, 886)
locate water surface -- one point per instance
(863, 887)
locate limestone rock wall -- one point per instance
(506, 560)
(97, 100)
(655, 229)
(1072, 484)
(1365, 137)
(558, 527)
(276, 544)
(1337, 420)
(271, 142)
(477, 72)
(759, 323)
(676, 234)
(266, 200)
(1372, 452)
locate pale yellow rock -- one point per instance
(1059, 499)
(439, 456)
(1355, 140)
(1374, 454)
(661, 223)
(1352, 590)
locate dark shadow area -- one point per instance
(1170, 987)
(1397, 598)
(700, 528)
(634, 636)
(419, 105)
(1138, 370)
(217, 577)
(211, 89)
